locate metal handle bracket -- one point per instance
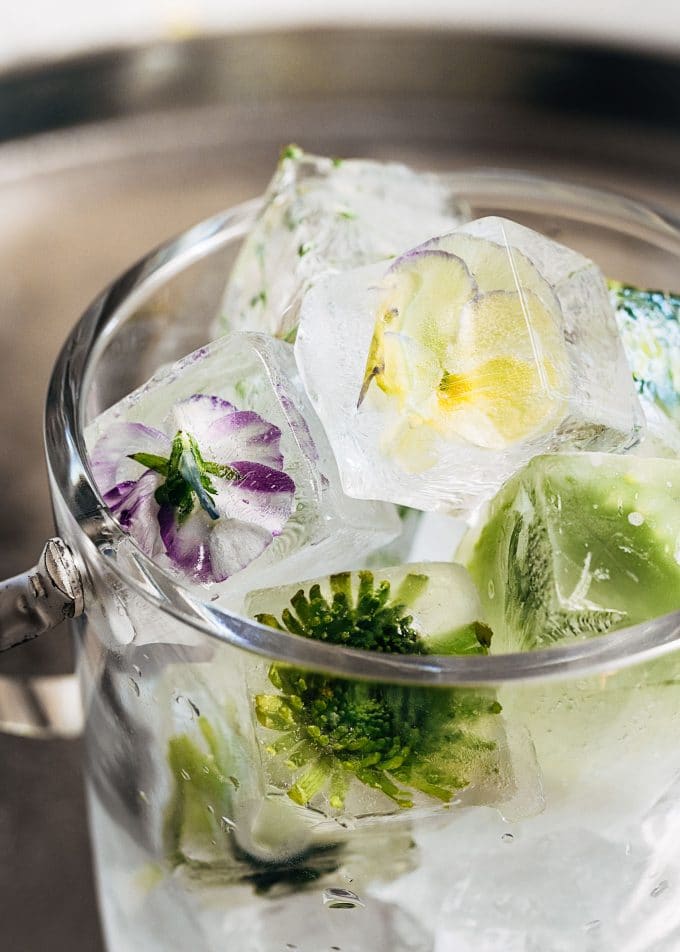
(42, 597)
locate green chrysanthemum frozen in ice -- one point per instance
(393, 738)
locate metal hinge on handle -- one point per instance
(31, 604)
(42, 597)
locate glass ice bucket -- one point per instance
(573, 846)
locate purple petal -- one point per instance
(225, 433)
(252, 510)
(239, 544)
(133, 504)
(264, 497)
(427, 250)
(197, 413)
(203, 553)
(188, 545)
(109, 458)
(245, 433)
(263, 479)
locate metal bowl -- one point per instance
(104, 156)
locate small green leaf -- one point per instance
(159, 464)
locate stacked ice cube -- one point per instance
(439, 375)
(577, 545)
(326, 215)
(252, 495)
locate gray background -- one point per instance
(104, 157)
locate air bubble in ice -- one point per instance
(338, 898)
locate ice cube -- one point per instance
(576, 545)
(322, 215)
(438, 376)
(649, 323)
(219, 470)
(371, 748)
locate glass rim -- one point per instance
(71, 477)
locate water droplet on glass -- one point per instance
(491, 588)
(135, 686)
(507, 837)
(211, 809)
(635, 518)
(185, 774)
(228, 826)
(137, 670)
(193, 707)
(235, 782)
(593, 925)
(338, 898)
(659, 888)
(289, 945)
(142, 796)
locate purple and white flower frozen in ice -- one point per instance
(212, 493)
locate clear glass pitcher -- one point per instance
(570, 842)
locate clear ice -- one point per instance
(439, 375)
(232, 481)
(322, 215)
(577, 545)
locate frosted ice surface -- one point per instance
(576, 545)
(439, 375)
(322, 215)
(255, 498)
(506, 896)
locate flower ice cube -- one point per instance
(220, 472)
(438, 376)
(326, 733)
(322, 215)
(577, 545)
(649, 323)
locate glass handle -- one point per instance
(31, 604)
